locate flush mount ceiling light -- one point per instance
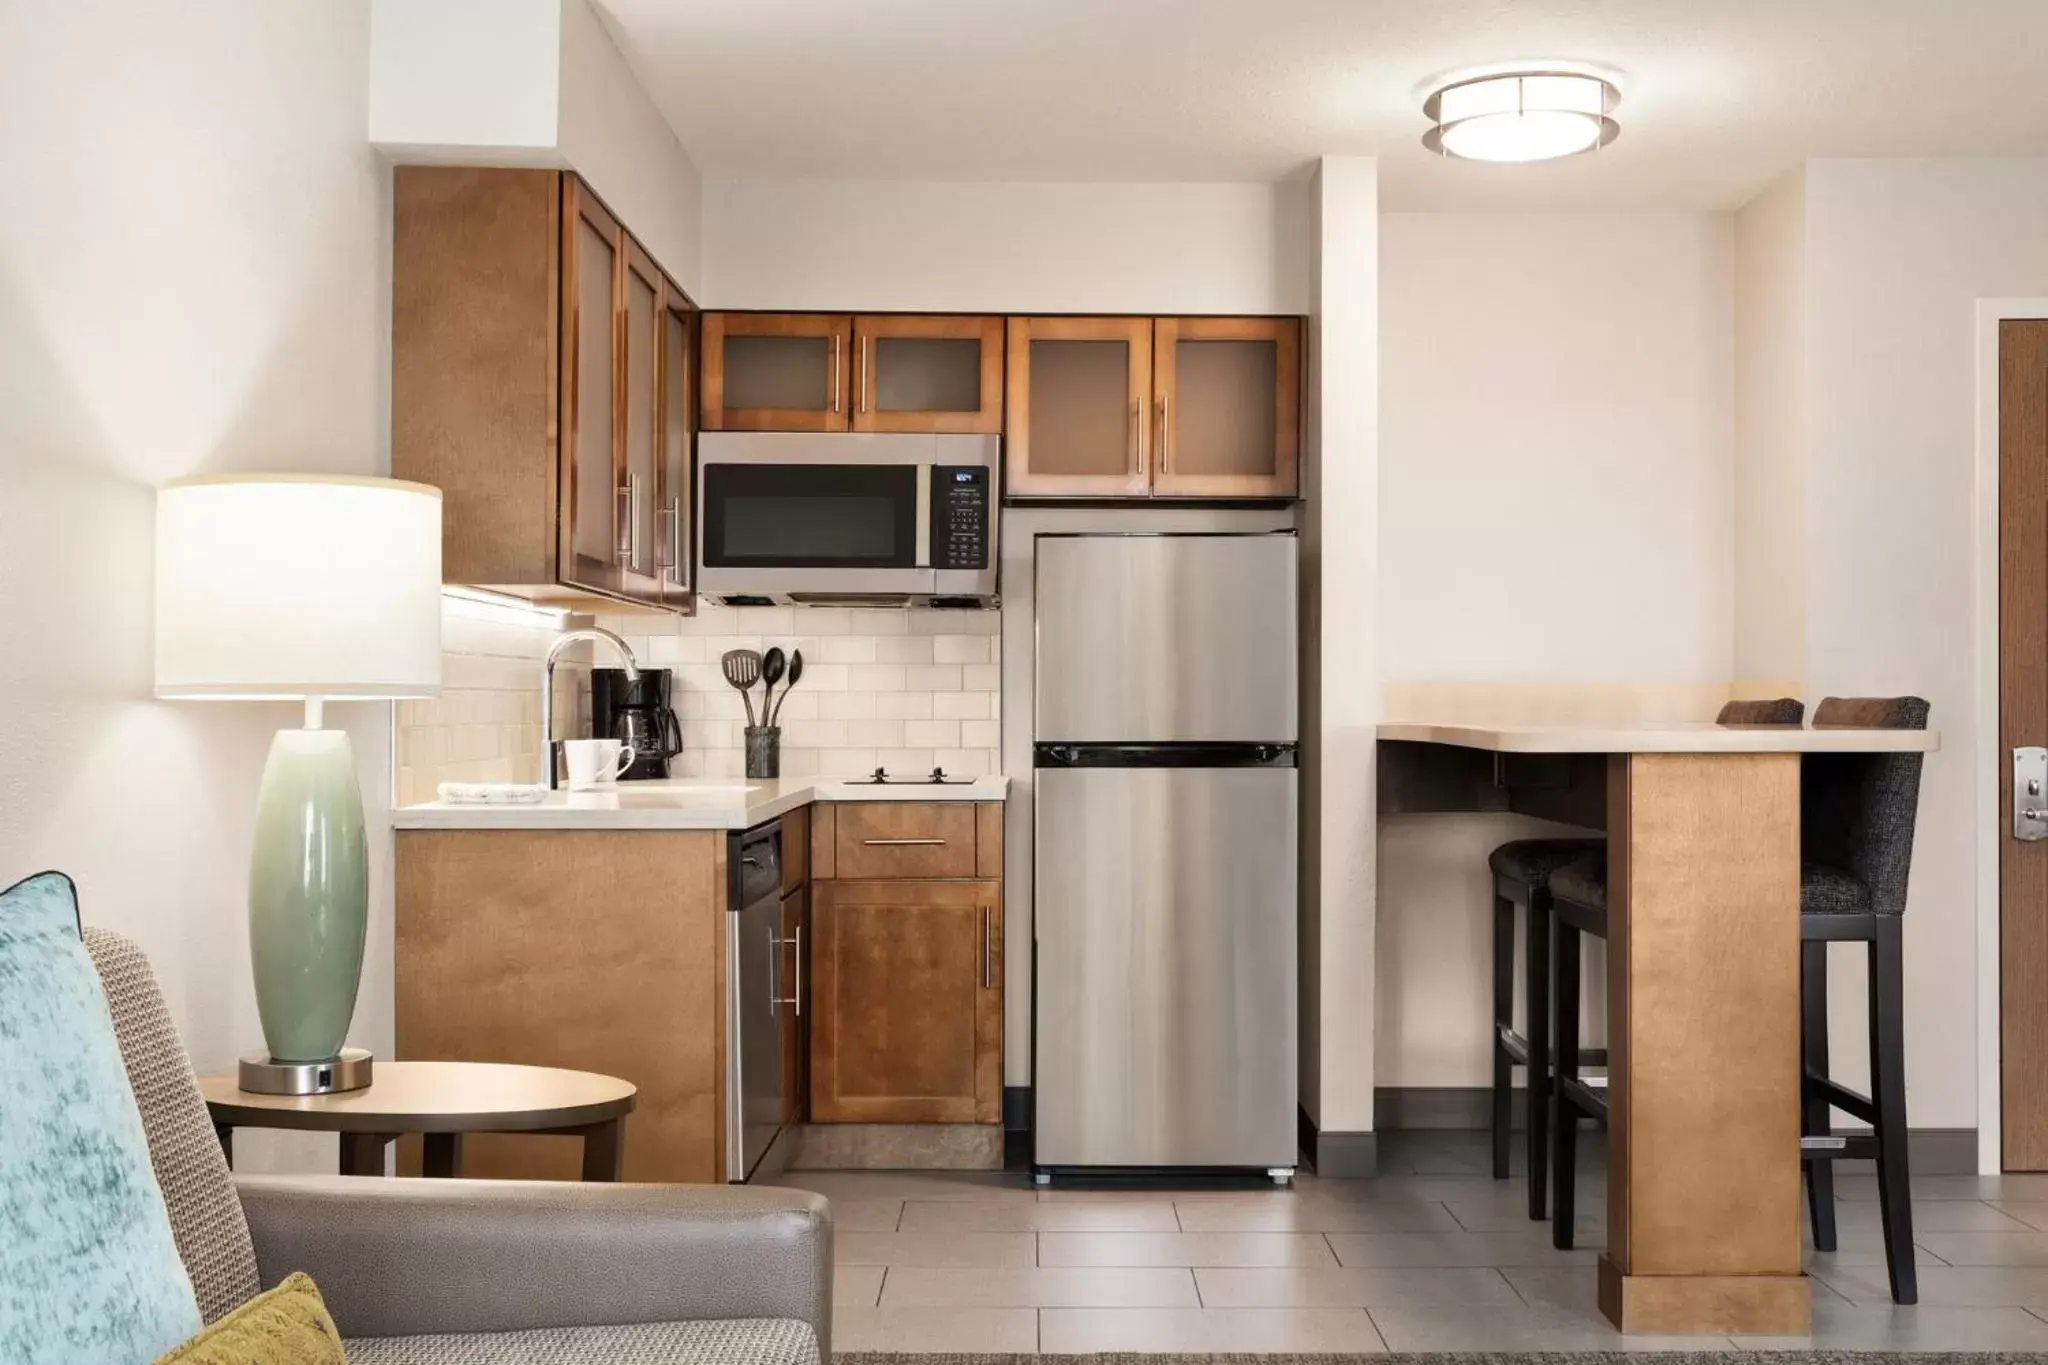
(1522, 116)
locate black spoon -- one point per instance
(796, 670)
(771, 673)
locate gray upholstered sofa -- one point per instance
(476, 1272)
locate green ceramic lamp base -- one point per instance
(309, 900)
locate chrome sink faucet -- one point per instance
(564, 642)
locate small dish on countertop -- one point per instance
(491, 793)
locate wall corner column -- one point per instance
(1340, 672)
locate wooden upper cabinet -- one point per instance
(593, 426)
(777, 371)
(676, 497)
(940, 374)
(1226, 395)
(907, 1002)
(1080, 390)
(539, 379)
(639, 491)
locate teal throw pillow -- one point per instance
(89, 1274)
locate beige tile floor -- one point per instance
(1433, 1255)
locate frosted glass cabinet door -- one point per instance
(592, 456)
(639, 550)
(1078, 392)
(678, 426)
(1226, 415)
(777, 371)
(928, 373)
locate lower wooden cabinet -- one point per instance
(906, 1002)
(793, 1012)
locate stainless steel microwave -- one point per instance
(832, 519)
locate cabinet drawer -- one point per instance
(892, 839)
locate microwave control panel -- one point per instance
(960, 513)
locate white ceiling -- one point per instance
(1718, 96)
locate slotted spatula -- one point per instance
(742, 670)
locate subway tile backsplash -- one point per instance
(904, 690)
(485, 725)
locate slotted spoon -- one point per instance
(742, 669)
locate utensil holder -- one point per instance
(764, 751)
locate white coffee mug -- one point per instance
(596, 763)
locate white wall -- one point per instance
(1340, 567)
(1557, 429)
(1555, 480)
(910, 246)
(1898, 252)
(474, 80)
(193, 276)
(1772, 385)
(533, 83)
(610, 131)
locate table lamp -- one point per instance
(304, 588)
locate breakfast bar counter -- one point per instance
(1703, 853)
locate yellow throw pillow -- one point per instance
(287, 1325)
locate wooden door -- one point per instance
(2023, 721)
(913, 373)
(907, 1018)
(794, 1017)
(640, 350)
(593, 427)
(676, 499)
(776, 371)
(1226, 396)
(1077, 397)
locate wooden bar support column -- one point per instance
(1703, 1030)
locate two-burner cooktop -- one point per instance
(881, 777)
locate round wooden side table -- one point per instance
(441, 1101)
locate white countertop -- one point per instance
(684, 803)
(1660, 737)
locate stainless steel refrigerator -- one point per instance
(1165, 794)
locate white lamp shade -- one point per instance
(291, 586)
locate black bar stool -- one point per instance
(1857, 813)
(1578, 908)
(1521, 876)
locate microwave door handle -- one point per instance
(923, 558)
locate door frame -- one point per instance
(1990, 755)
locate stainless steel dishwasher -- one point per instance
(754, 998)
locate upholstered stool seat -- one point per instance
(1534, 861)
(1582, 881)
(1830, 891)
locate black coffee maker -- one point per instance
(639, 714)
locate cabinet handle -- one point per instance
(864, 376)
(1138, 435)
(904, 843)
(835, 372)
(679, 572)
(776, 944)
(1164, 447)
(623, 510)
(988, 943)
(638, 484)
